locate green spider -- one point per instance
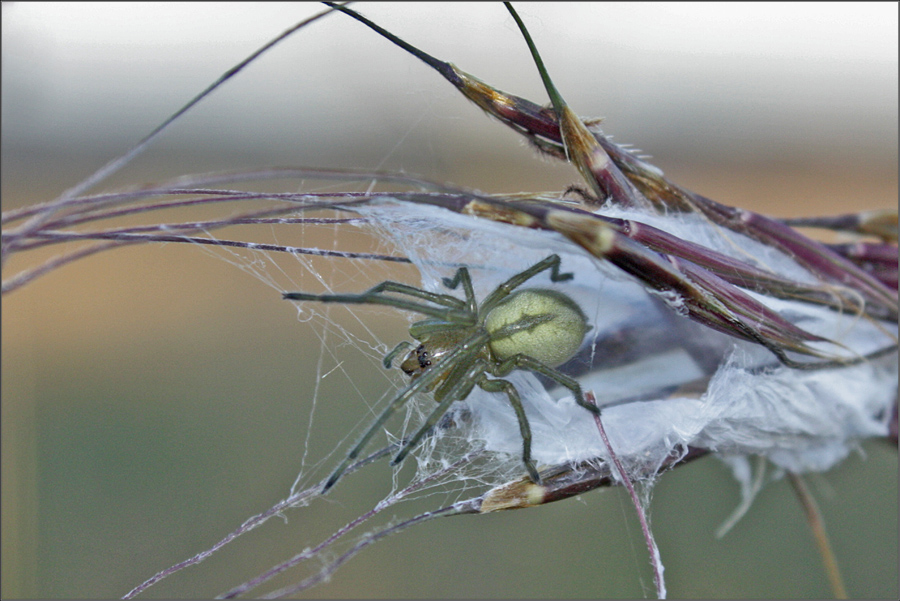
(462, 342)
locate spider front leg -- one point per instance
(460, 380)
(449, 307)
(460, 354)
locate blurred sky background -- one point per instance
(689, 84)
(153, 398)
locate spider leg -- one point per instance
(532, 364)
(463, 378)
(450, 308)
(468, 349)
(504, 289)
(462, 276)
(389, 358)
(524, 428)
(389, 286)
(422, 329)
(438, 299)
(463, 384)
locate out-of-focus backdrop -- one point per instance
(155, 397)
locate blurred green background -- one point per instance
(155, 397)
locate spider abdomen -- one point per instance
(544, 324)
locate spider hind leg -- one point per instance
(502, 291)
(512, 395)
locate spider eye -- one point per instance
(423, 357)
(417, 361)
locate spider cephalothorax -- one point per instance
(463, 342)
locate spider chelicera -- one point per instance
(463, 342)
